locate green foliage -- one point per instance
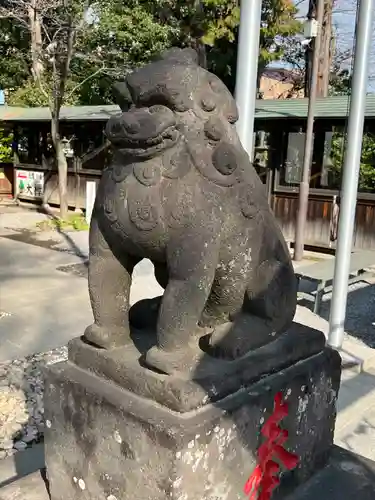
(125, 36)
(6, 139)
(121, 35)
(341, 83)
(367, 165)
(75, 222)
(278, 25)
(216, 22)
(29, 95)
(14, 54)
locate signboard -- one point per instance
(294, 158)
(29, 183)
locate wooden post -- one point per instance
(325, 62)
(325, 56)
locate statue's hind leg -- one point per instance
(227, 294)
(272, 295)
(268, 308)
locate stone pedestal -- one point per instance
(116, 430)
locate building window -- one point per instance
(291, 171)
(333, 160)
(261, 154)
(327, 160)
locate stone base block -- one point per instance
(347, 476)
(106, 442)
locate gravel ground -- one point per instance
(21, 400)
(360, 312)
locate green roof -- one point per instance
(266, 109)
(326, 107)
(72, 113)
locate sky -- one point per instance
(344, 16)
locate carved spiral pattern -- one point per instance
(214, 129)
(109, 198)
(147, 174)
(227, 102)
(176, 165)
(143, 213)
(120, 172)
(208, 103)
(224, 158)
(249, 202)
(178, 217)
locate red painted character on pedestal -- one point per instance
(265, 477)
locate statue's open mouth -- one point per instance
(143, 132)
(149, 147)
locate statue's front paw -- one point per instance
(184, 360)
(107, 337)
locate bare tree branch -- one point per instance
(52, 26)
(93, 75)
(9, 14)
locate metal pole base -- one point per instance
(301, 220)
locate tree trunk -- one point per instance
(62, 166)
(35, 23)
(199, 45)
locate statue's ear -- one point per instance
(122, 95)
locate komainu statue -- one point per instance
(182, 192)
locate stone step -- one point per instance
(31, 487)
(355, 424)
(346, 477)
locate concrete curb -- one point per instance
(357, 356)
(22, 464)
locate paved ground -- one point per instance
(40, 306)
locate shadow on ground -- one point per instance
(33, 238)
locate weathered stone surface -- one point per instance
(102, 441)
(346, 477)
(167, 400)
(213, 378)
(182, 192)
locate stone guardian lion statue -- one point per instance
(182, 192)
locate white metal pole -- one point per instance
(247, 71)
(90, 199)
(351, 172)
